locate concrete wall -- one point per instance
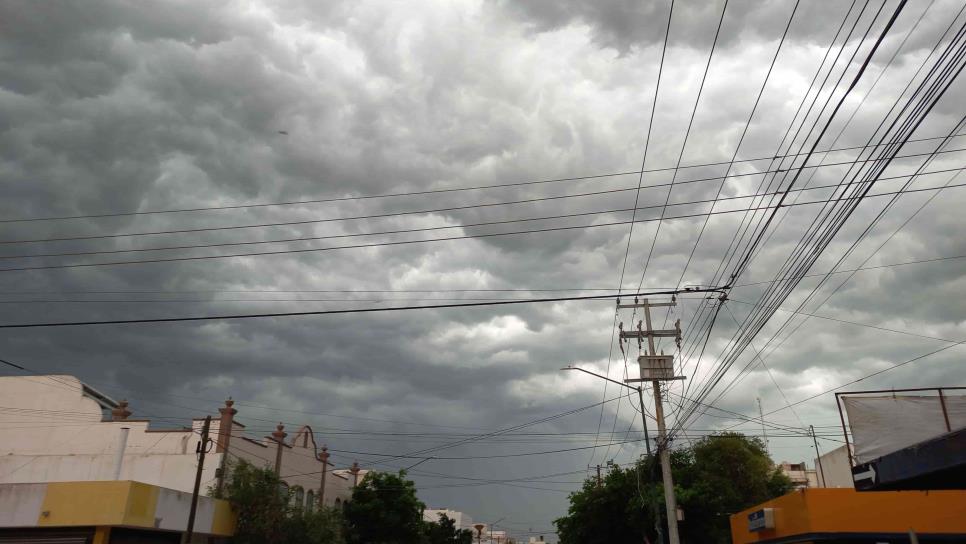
(837, 469)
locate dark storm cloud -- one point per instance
(123, 106)
(624, 24)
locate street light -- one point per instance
(647, 438)
(640, 399)
(493, 526)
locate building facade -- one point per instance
(801, 476)
(58, 429)
(848, 516)
(108, 512)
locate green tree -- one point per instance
(316, 526)
(445, 531)
(265, 512)
(384, 510)
(613, 511)
(718, 476)
(724, 474)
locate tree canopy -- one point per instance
(718, 476)
(384, 510)
(445, 531)
(266, 513)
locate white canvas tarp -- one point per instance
(883, 424)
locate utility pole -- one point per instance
(279, 435)
(647, 436)
(325, 468)
(761, 416)
(657, 368)
(598, 476)
(202, 449)
(818, 456)
(647, 445)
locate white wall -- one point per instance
(50, 431)
(837, 469)
(20, 504)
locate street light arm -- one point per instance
(622, 384)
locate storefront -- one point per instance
(847, 516)
(107, 512)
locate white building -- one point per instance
(462, 520)
(58, 429)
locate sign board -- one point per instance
(864, 476)
(760, 520)
(656, 367)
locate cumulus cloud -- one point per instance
(116, 106)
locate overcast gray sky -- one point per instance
(110, 107)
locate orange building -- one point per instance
(847, 516)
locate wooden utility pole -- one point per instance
(279, 435)
(818, 456)
(657, 368)
(202, 449)
(764, 433)
(325, 469)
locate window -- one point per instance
(299, 496)
(310, 500)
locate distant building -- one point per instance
(800, 475)
(58, 429)
(495, 537)
(462, 520)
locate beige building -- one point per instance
(800, 475)
(58, 429)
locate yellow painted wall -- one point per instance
(116, 503)
(847, 510)
(84, 503)
(888, 511)
(142, 502)
(223, 521)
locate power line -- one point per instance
(336, 312)
(414, 193)
(416, 212)
(432, 229)
(747, 332)
(507, 290)
(847, 322)
(409, 242)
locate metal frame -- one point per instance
(845, 431)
